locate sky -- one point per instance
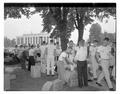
(18, 27)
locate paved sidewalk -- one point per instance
(24, 82)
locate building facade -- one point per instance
(35, 39)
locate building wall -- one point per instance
(34, 39)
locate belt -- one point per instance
(105, 59)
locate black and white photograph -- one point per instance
(59, 46)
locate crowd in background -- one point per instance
(89, 61)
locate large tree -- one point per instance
(65, 19)
(95, 32)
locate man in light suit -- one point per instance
(103, 56)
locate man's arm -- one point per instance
(97, 56)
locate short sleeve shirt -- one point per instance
(81, 53)
(104, 52)
(93, 50)
(62, 56)
(50, 50)
(31, 52)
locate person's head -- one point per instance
(16, 46)
(57, 45)
(70, 43)
(106, 41)
(43, 43)
(38, 54)
(82, 43)
(32, 46)
(38, 45)
(21, 46)
(69, 49)
(95, 42)
(51, 42)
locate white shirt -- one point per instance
(31, 52)
(81, 53)
(62, 56)
(104, 52)
(37, 50)
(93, 50)
(58, 51)
(50, 49)
(43, 47)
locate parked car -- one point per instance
(10, 58)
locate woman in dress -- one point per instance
(63, 65)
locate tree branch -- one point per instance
(76, 24)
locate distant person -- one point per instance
(16, 52)
(43, 57)
(58, 51)
(37, 50)
(50, 52)
(21, 57)
(31, 58)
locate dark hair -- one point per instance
(32, 46)
(51, 41)
(69, 48)
(95, 40)
(16, 46)
(38, 54)
(106, 39)
(43, 42)
(21, 46)
(82, 41)
(70, 41)
(57, 42)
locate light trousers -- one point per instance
(50, 65)
(94, 66)
(105, 73)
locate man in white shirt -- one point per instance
(93, 49)
(103, 56)
(31, 58)
(50, 51)
(80, 58)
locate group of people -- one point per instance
(45, 55)
(91, 62)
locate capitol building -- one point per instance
(35, 39)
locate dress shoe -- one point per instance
(95, 79)
(98, 84)
(111, 89)
(89, 80)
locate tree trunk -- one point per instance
(63, 37)
(79, 24)
(64, 42)
(80, 32)
(63, 28)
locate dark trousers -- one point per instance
(82, 73)
(29, 66)
(31, 62)
(22, 60)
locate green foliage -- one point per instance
(65, 19)
(9, 43)
(95, 32)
